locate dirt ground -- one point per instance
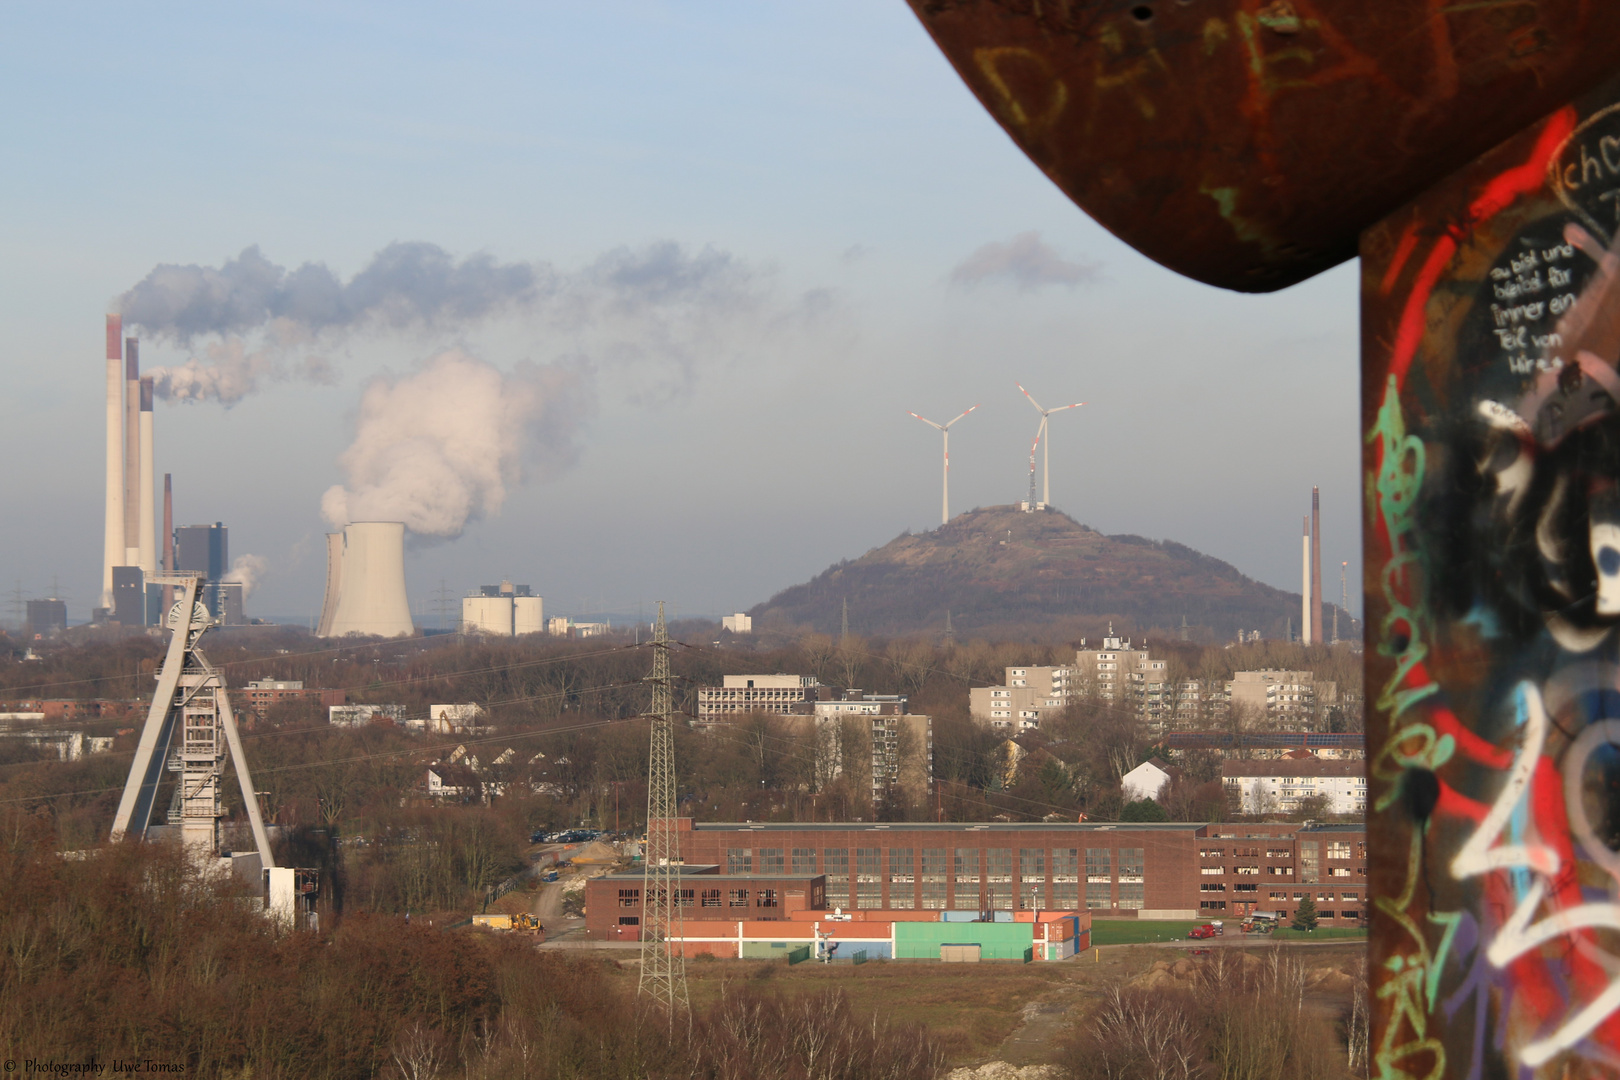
(1017, 1013)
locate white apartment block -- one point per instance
(1029, 694)
(1115, 674)
(741, 694)
(1120, 675)
(1268, 787)
(1294, 700)
(739, 623)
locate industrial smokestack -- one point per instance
(1316, 565)
(1305, 585)
(113, 545)
(370, 582)
(166, 542)
(148, 541)
(132, 452)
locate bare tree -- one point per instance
(419, 1052)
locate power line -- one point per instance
(663, 965)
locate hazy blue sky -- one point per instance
(760, 235)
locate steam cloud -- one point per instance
(404, 284)
(438, 448)
(1025, 260)
(657, 309)
(247, 570)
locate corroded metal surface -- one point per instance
(1491, 415)
(1246, 143)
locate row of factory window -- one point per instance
(1351, 914)
(1336, 849)
(1216, 886)
(1005, 895)
(710, 898)
(933, 896)
(961, 864)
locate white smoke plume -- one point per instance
(248, 570)
(439, 448)
(405, 284)
(651, 313)
(230, 372)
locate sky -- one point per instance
(622, 301)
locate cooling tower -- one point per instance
(148, 527)
(334, 581)
(113, 548)
(371, 582)
(528, 615)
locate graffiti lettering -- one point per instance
(1479, 855)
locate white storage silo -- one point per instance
(528, 615)
(487, 615)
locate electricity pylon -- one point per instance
(663, 964)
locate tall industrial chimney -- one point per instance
(370, 586)
(113, 546)
(148, 541)
(1305, 585)
(1316, 565)
(132, 452)
(166, 542)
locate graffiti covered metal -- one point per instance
(1246, 143)
(1491, 414)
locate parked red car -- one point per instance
(1205, 931)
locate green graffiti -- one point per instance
(1431, 753)
(1400, 476)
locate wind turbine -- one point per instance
(1042, 432)
(944, 429)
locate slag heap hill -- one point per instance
(1008, 575)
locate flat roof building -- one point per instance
(1169, 870)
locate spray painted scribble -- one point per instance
(440, 447)
(1492, 411)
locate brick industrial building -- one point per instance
(1131, 870)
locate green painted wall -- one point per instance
(996, 941)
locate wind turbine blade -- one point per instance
(1060, 408)
(1031, 397)
(959, 417)
(930, 423)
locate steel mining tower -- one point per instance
(189, 730)
(663, 964)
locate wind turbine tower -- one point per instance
(945, 430)
(1041, 434)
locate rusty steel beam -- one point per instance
(1246, 143)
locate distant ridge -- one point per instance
(1005, 574)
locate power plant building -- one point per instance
(203, 549)
(46, 617)
(503, 610)
(365, 582)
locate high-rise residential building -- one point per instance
(1114, 674)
